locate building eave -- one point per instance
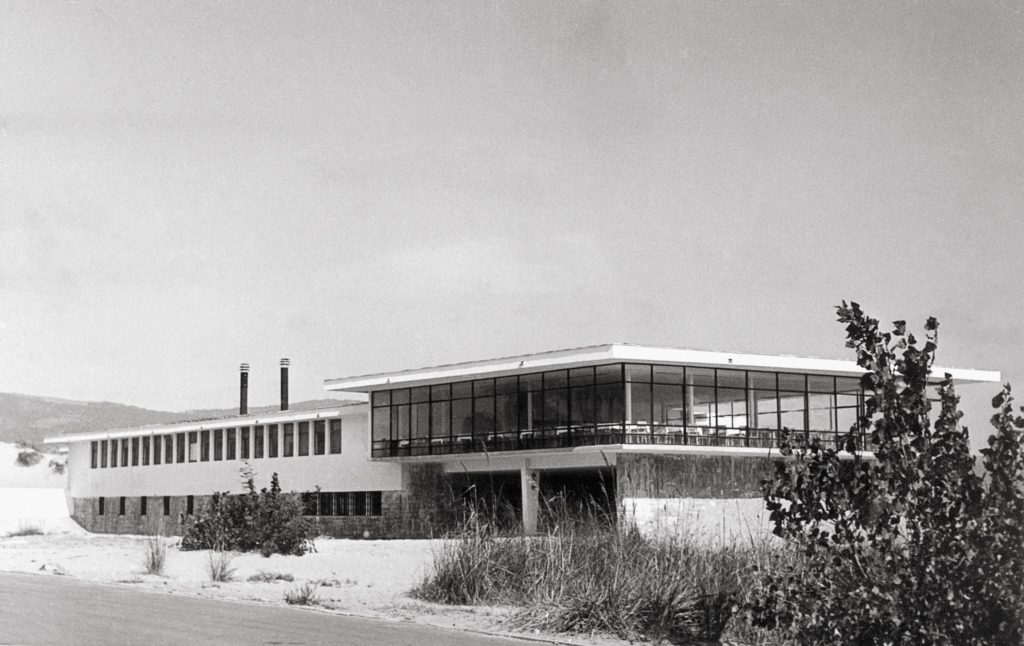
(623, 352)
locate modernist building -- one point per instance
(636, 423)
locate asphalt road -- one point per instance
(46, 609)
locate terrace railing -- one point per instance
(600, 435)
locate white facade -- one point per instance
(349, 470)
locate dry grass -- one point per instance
(303, 595)
(595, 576)
(219, 566)
(26, 529)
(155, 551)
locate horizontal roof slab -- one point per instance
(623, 352)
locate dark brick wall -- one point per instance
(690, 476)
(86, 512)
(422, 509)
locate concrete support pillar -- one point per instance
(529, 482)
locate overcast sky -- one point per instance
(372, 186)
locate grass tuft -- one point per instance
(155, 550)
(219, 566)
(26, 529)
(304, 595)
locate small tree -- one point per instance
(910, 545)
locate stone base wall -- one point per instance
(422, 509)
(86, 513)
(690, 476)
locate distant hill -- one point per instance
(29, 419)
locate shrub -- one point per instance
(586, 577)
(155, 549)
(304, 595)
(269, 521)
(219, 566)
(270, 577)
(28, 458)
(58, 467)
(913, 546)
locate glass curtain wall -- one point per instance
(613, 404)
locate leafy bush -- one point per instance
(913, 546)
(269, 521)
(155, 550)
(304, 595)
(28, 458)
(58, 467)
(586, 577)
(219, 566)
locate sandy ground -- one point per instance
(365, 578)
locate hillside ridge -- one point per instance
(30, 418)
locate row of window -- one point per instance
(615, 395)
(256, 442)
(321, 503)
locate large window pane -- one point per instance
(821, 411)
(230, 444)
(400, 422)
(257, 442)
(582, 410)
(700, 406)
(381, 424)
(483, 416)
(319, 437)
(791, 405)
(272, 442)
(636, 372)
(765, 408)
(608, 374)
(638, 400)
(400, 396)
(218, 444)
(483, 387)
(581, 376)
(732, 408)
(420, 421)
(668, 404)
(303, 429)
(505, 407)
(462, 417)
(610, 403)
(168, 448)
(439, 419)
(668, 374)
(556, 379)
(556, 408)
(245, 431)
(335, 430)
(288, 440)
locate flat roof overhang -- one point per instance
(627, 353)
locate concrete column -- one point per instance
(529, 482)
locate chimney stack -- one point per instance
(284, 384)
(243, 402)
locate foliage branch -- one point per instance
(907, 543)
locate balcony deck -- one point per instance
(613, 434)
